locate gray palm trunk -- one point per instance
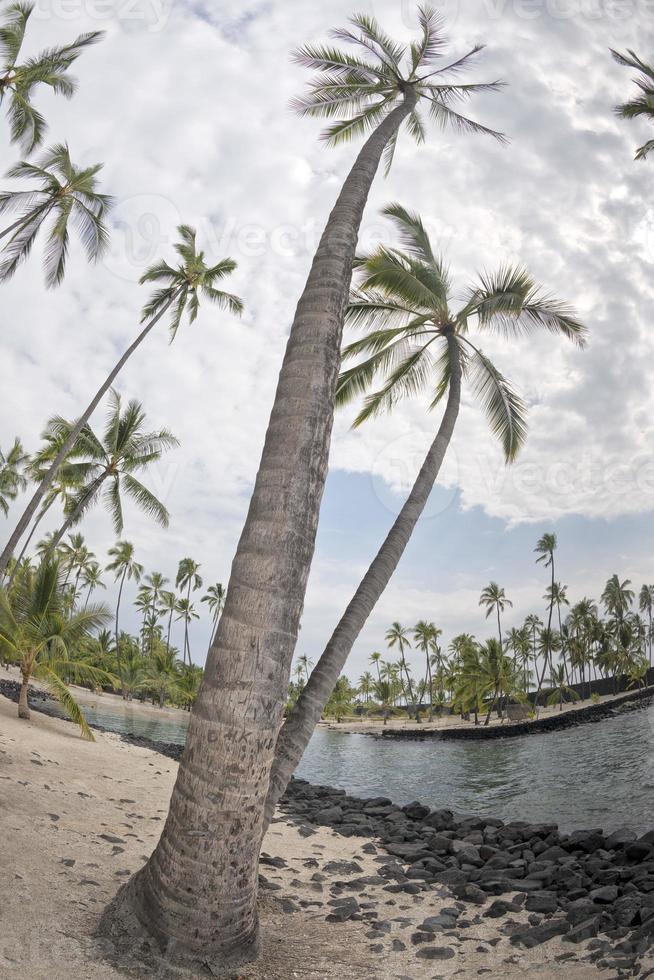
(197, 894)
(120, 667)
(69, 442)
(299, 726)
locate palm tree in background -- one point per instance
(306, 665)
(418, 343)
(107, 466)
(375, 659)
(270, 568)
(124, 566)
(366, 685)
(643, 103)
(617, 598)
(189, 578)
(398, 636)
(38, 633)
(215, 599)
(74, 554)
(545, 548)
(192, 278)
(560, 688)
(155, 582)
(92, 580)
(168, 606)
(493, 597)
(18, 82)
(425, 637)
(13, 467)
(187, 612)
(646, 604)
(65, 196)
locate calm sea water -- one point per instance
(596, 775)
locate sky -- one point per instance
(187, 106)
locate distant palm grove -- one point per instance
(420, 335)
(536, 663)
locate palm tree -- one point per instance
(398, 636)
(215, 599)
(38, 635)
(270, 568)
(545, 548)
(560, 689)
(155, 584)
(168, 605)
(162, 672)
(493, 597)
(306, 665)
(425, 637)
(68, 195)
(18, 81)
(417, 342)
(190, 280)
(643, 103)
(188, 578)
(646, 605)
(92, 580)
(107, 465)
(617, 598)
(187, 685)
(124, 566)
(12, 474)
(366, 685)
(383, 691)
(375, 658)
(73, 554)
(186, 612)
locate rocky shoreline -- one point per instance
(593, 891)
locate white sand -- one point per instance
(59, 794)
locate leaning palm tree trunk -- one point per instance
(197, 894)
(299, 726)
(69, 442)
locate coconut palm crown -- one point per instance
(643, 103)
(363, 87)
(64, 193)
(19, 80)
(403, 304)
(185, 283)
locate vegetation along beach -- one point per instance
(326, 579)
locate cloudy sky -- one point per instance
(187, 106)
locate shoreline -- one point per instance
(349, 887)
(577, 713)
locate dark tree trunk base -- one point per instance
(132, 945)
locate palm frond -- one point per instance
(62, 693)
(504, 408)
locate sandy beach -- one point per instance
(79, 817)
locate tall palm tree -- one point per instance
(155, 583)
(12, 474)
(124, 566)
(188, 578)
(168, 606)
(187, 612)
(191, 279)
(106, 465)
(643, 103)
(493, 597)
(306, 664)
(37, 633)
(66, 194)
(646, 605)
(215, 599)
(271, 565)
(416, 341)
(545, 548)
(425, 637)
(375, 658)
(72, 553)
(398, 636)
(617, 598)
(560, 688)
(92, 580)
(366, 685)
(19, 81)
